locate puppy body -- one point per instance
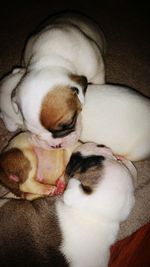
(118, 117)
(78, 228)
(32, 172)
(60, 59)
(71, 41)
(8, 109)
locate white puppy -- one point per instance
(77, 229)
(60, 58)
(118, 117)
(100, 195)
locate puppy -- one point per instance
(78, 228)
(9, 111)
(31, 172)
(60, 59)
(118, 117)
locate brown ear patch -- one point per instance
(58, 108)
(14, 169)
(81, 80)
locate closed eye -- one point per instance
(64, 128)
(69, 125)
(75, 90)
(86, 189)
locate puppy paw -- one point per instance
(60, 187)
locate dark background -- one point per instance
(125, 25)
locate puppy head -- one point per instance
(60, 121)
(51, 102)
(98, 183)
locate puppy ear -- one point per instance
(14, 169)
(73, 195)
(81, 80)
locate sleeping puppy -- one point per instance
(60, 59)
(78, 228)
(118, 117)
(31, 172)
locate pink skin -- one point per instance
(60, 186)
(14, 178)
(39, 176)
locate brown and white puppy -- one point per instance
(31, 172)
(60, 59)
(78, 228)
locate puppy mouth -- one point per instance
(56, 146)
(41, 143)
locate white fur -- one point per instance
(70, 41)
(90, 223)
(9, 111)
(68, 45)
(118, 117)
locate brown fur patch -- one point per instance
(58, 108)
(13, 162)
(23, 226)
(81, 80)
(89, 179)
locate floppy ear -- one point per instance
(14, 169)
(73, 195)
(81, 80)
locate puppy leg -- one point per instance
(32, 186)
(9, 123)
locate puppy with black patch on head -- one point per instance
(77, 228)
(60, 60)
